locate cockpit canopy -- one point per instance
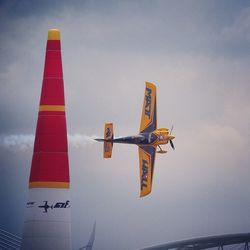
(145, 138)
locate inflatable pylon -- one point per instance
(48, 220)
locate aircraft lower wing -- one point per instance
(149, 114)
(147, 160)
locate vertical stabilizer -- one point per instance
(108, 137)
(48, 221)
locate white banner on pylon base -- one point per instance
(48, 220)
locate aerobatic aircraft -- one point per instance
(149, 138)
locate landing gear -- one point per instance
(161, 151)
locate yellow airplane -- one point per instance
(148, 139)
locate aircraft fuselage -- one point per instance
(157, 137)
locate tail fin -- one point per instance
(108, 143)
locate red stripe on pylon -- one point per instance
(53, 45)
(50, 167)
(53, 64)
(52, 92)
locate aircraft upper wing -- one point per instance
(147, 160)
(149, 116)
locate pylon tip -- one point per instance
(54, 34)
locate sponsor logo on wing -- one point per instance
(144, 178)
(148, 99)
(46, 206)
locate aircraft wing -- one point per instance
(149, 116)
(146, 160)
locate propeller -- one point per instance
(171, 142)
(171, 129)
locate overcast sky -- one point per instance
(197, 53)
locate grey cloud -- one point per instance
(109, 50)
(240, 28)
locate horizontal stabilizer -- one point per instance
(99, 139)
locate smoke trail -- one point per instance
(79, 140)
(25, 142)
(17, 142)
